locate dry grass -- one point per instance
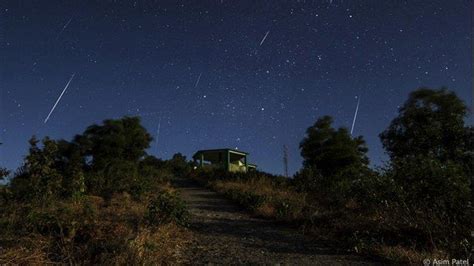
(30, 252)
(404, 254)
(91, 231)
(271, 201)
(348, 226)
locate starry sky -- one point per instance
(251, 75)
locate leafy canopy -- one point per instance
(116, 140)
(331, 150)
(430, 123)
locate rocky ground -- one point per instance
(223, 233)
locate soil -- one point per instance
(224, 233)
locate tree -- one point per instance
(111, 154)
(178, 164)
(330, 151)
(430, 123)
(38, 178)
(116, 140)
(431, 153)
(3, 188)
(71, 164)
(3, 171)
(104, 160)
(333, 161)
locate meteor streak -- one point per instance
(355, 115)
(197, 81)
(158, 131)
(59, 98)
(64, 27)
(264, 37)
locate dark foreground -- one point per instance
(225, 234)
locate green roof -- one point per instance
(220, 150)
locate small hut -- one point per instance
(228, 159)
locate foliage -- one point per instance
(85, 201)
(179, 165)
(333, 161)
(328, 150)
(264, 194)
(116, 140)
(104, 160)
(420, 203)
(434, 199)
(85, 231)
(3, 188)
(71, 164)
(248, 199)
(431, 168)
(152, 171)
(3, 173)
(167, 207)
(4, 192)
(39, 179)
(418, 206)
(430, 123)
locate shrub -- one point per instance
(167, 207)
(435, 199)
(264, 194)
(247, 199)
(87, 231)
(82, 201)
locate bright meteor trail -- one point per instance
(197, 81)
(59, 98)
(264, 37)
(355, 115)
(64, 27)
(158, 131)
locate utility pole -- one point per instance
(285, 160)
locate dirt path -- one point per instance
(223, 233)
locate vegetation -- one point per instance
(97, 199)
(101, 199)
(264, 194)
(431, 167)
(165, 208)
(417, 206)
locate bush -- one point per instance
(245, 198)
(87, 231)
(264, 194)
(82, 201)
(435, 199)
(167, 207)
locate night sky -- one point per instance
(212, 74)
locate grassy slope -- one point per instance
(266, 198)
(88, 230)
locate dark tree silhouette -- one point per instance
(3, 171)
(431, 166)
(430, 123)
(38, 178)
(330, 151)
(178, 164)
(116, 140)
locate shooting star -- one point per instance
(158, 131)
(197, 81)
(64, 27)
(59, 98)
(355, 114)
(264, 37)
